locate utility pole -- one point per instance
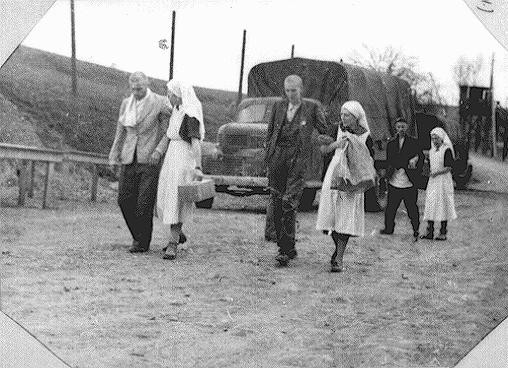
(172, 54)
(239, 99)
(73, 54)
(493, 110)
(292, 51)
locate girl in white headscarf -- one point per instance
(439, 200)
(341, 214)
(182, 163)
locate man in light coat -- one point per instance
(141, 125)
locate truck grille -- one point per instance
(237, 141)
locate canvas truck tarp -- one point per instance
(384, 97)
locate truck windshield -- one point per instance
(252, 114)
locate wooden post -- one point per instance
(292, 51)
(172, 54)
(32, 179)
(73, 55)
(95, 179)
(49, 169)
(22, 181)
(239, 98)
(493, 111)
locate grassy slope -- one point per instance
(39, 84)
(14, 127)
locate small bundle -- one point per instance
(354, 171)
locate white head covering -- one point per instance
(447, 143)
(355, 108)
(190, 103)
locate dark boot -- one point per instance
(336, 261)
(430, 231)
(442, 231)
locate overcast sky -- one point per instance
(126, 34)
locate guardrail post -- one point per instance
(22, 182)
(49, 169)
(32, 179)
(95, 179)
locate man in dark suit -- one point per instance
(288, 149)
(404, 158)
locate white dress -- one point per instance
(177, 169)
(439, 201)
(340, 211)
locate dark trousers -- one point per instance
(395, 196)
(285, 179)
(136, 197)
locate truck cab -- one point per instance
(236, 162)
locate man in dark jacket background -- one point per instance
(404, 158)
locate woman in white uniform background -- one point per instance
(341, 214)
(439, 199)
(182, 163)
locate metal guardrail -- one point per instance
(30, 155)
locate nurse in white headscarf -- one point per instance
(182, 163)
(439, 199)
(341, 214)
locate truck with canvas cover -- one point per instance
(236, 163)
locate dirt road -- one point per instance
(67, 277)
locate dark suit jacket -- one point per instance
(399, 158)
(309, 117)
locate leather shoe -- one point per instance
(170, 252)
(292, 254)
(283, 259)
(416, 235)
(385, 232)
(137, 249)
(335, 267)
(181, 239)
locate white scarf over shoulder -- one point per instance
(132, 110)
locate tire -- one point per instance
(207, 203)
(307, 199)
(375, 198)
(462, 180)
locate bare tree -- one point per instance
(466, 71)
(395, 62)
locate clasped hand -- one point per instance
(412, 163)
(155, 158)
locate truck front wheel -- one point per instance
(207, 203)
(307, 199)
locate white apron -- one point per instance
(177, 169)
(439, 201)
(340, 211)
